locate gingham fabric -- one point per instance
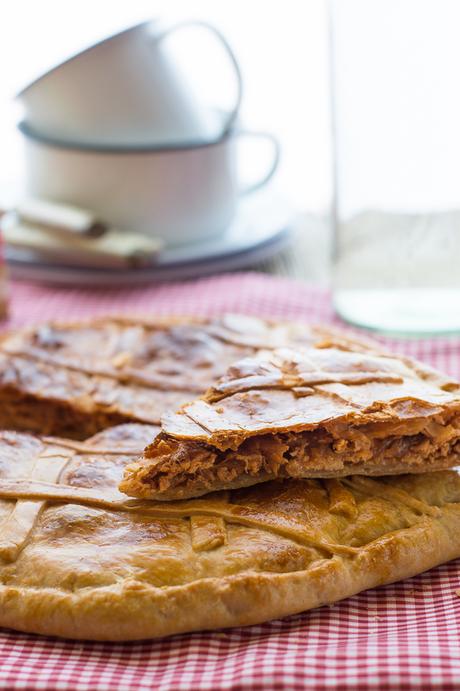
(401, 636)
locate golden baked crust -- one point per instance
(76, 379)
(308, 412)
(77, 559)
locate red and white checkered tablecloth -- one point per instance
(400, 636)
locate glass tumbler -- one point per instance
(396, 124)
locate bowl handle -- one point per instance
(253, 186)
(233, 113)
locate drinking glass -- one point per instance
(396, 127)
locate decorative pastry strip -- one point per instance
(83, 448)
(19, 524)
(302, 383)
(341, 500)
(208, 532)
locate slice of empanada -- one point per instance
(311, 412)
(80, 560)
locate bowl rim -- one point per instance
(171, 147)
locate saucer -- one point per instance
(261, 228)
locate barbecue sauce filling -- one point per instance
(331, 447)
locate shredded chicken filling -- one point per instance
(292, 454)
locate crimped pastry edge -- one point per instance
(136, 611)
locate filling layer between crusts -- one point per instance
(294, 454)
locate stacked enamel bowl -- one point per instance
(117, 130)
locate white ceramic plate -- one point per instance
(260, 229)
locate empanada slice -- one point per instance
(312, 412)
(80, 560)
